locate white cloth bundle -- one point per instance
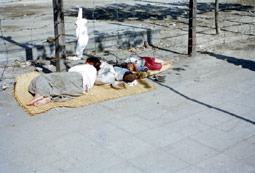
(81, 34)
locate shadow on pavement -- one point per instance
(207, 105)
(159, 11)
(28, 47)
(29, 52)
(167, 50)
(248, 64)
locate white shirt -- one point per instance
(109, 74)
(106, 74)
(120, 72)
(88, 72)
(139, 62)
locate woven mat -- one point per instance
(95, 95)
(164, 68)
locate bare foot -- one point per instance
(42, 102)
(36, 98)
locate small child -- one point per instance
(146, 63)
(109, 74)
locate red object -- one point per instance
(151, 64)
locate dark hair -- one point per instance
(128, 77)
(96, 62)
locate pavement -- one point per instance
(201, 119)
(194, 122)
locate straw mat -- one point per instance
(95, 95)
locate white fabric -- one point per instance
(88, 72)
(81, 34)
(115, 84)
(120, 72)
(106, 75)
(139, 62)
(131, 83)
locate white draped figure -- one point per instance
(81, 34)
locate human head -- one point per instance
(131, 66)
(128, 77)
(94, 61)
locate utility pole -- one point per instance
(217, 16)
(192, 28)
(59, 29)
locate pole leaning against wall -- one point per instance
(192, 28)
(59, 30)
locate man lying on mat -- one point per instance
(63, 86)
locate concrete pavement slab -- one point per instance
(190, 151)
(199, 120)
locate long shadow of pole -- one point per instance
(207, 105)
(29, 52)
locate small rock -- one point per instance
(50, 40)
(28, 63)
(16, 64)
(50, 66)
(73, 58)
(93, 52)
(172, 24)
(39, 69)
(4, 86)
(146, 45)
(132, 49)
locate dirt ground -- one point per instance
(235, 43)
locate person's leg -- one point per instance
(151, 64)
(149, 60)
(36, 98)
(43, 101)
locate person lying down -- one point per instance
(62, 86)
(139, 63)
(112, 75)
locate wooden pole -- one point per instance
(216, 16)
(192, 28)
(59, 29)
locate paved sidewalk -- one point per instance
(200, 120)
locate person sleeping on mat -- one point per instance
(139, 63)
(109, 74)
(62, 86)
